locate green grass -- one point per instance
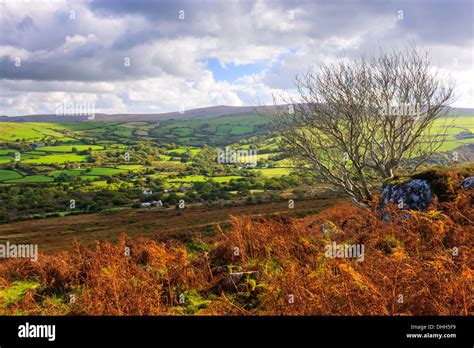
(228, 178)
(273, 172)
(34, 153)
(62, 158)
(71, 172)
(95, 173)
(206, 129)
(9, 175)
(283, 163)
(241, 130)
(91, 177)
(131, 167)
(30, 131)
(122, 131)
(5, 159)
(272, 147)
(263, 155)
(165, 158)
(104, 171)
(182, 131)
(4, 152)
(68, 148)
(182, 150)
(31, 179)
(16, 292)
(187, 135)
(99, 184)
(189, 179)
(456, 124)
(454, 144)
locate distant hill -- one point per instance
(200, 113)
(462, 111)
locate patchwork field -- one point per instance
(108, 165)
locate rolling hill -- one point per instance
(199, 113)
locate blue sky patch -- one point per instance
(231, 72)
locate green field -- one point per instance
(74, 172)
(131, 167)
(4, 152)
(451, 145)
(69, 148)
(188, 137)
(181, 150)
(221, 129)
(273, 172)
(189, 179)
(9, 174)
(5, 159)
(30, 131)
(105, 171)
(176, 159)
(52, 159)
(32, 179)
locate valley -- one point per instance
(119, 172)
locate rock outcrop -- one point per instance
(410, 195)
(468, 183)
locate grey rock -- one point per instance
(411, 195)
(468, 183)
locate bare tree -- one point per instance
(352, 124)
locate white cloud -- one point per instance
(77, 50)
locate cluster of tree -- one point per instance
(144, 153)
(26, 201)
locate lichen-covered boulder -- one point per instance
(468, 183)
(410, 195)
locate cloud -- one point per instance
(147, 56)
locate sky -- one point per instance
(159, 56)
